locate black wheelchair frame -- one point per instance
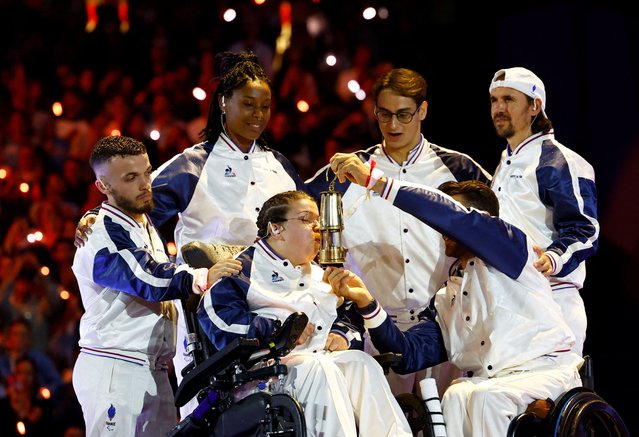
(217, 378)
(214, 381)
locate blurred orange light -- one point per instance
(172, 248)
(259, 2)
(116, 133)
(57, 109)
(3, 173)
(22, 430)
(44, 271)
(45, 393)
(24, 187)
(303, 106)
(64, 295)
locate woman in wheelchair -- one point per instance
(495, 319)
(342, 389)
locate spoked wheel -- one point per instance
(286, 417)
(581, 412)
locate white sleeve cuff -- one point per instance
(200, 280)
(555, 260)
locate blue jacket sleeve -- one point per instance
(290, 169)
(574, 209)
(174, 182)
(462, 166)
(224, 314)
(350, 325)
(421, 346)
(496, 242)
(133, 270)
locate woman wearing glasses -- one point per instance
(400, 259)
(334, 381)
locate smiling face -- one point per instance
(400, 138)
(126, 181)
(248, 111)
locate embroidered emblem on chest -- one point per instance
(275, 277)
(229, 173)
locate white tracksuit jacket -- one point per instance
(497, 320)
(400, 259)
(343, 393)
(549, 192)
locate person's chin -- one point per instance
(147, 206)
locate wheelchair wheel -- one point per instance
(581, 412)
(286, 417)
(418, 417)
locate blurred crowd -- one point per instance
(63, 87)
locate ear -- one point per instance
(536, 106)
(423, 110)
(102, 187)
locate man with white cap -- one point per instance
(545, 189)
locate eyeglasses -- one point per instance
(403, 117)
(305, 220)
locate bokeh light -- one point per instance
(199, 93)
(303, 106)
(172, 248)
(229, 15)
(369, 13)
(56, 108)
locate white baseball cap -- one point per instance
(522, 80)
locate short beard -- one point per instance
(128, 205)
(506, 132)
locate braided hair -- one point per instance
(236, 69)
(275, 209)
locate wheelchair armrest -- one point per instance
(196, 379)
(387, 360)
(289, 333)
(243, 350)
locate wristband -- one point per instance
(371, 164)
(375, 176)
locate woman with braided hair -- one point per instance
(217, 187)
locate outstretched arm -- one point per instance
(421, 346)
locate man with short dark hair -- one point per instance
(495, 318)
(127, 284)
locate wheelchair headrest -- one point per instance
(199, 254)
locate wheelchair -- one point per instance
(217, 380)
(579, 412)
(238, 388)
